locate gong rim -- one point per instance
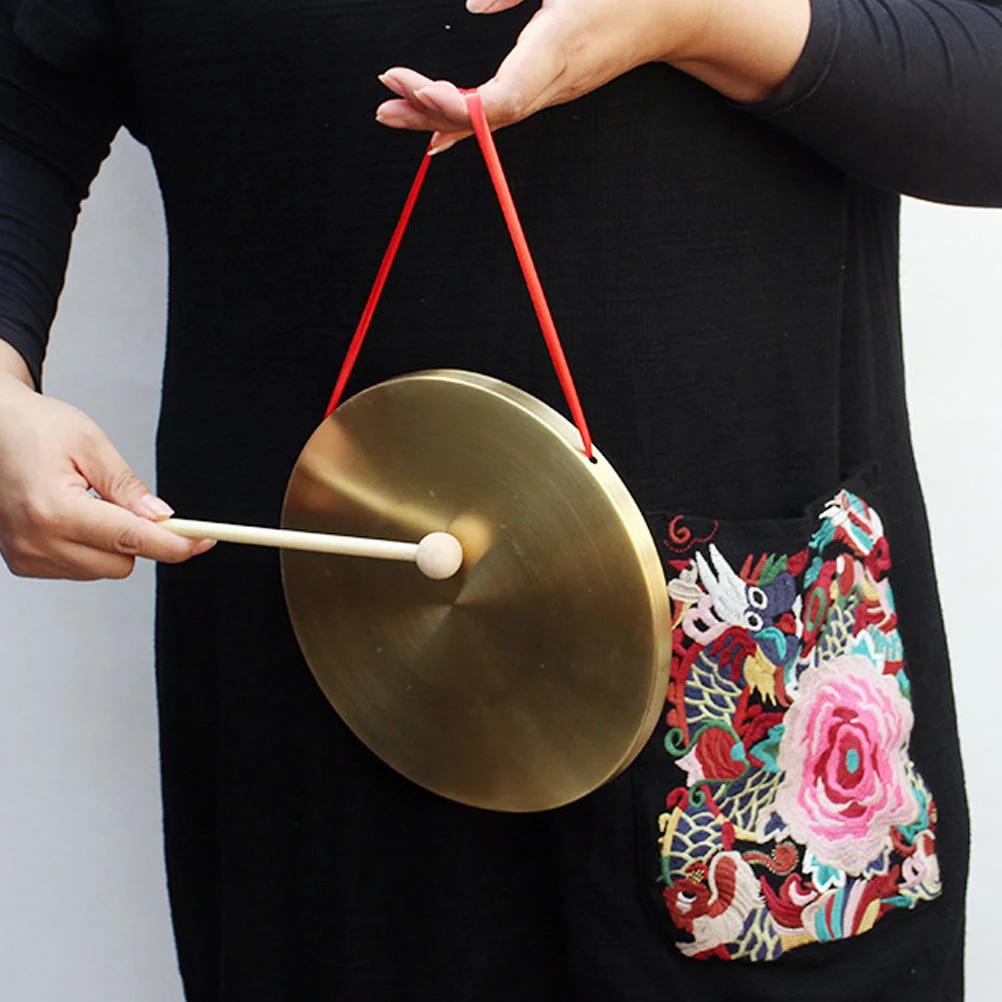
(389, 649)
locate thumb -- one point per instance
(104, 468)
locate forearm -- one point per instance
(37, 215)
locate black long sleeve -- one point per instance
(903, 94)
(58, 113)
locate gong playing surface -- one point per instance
(535, 674)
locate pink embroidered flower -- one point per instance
(844, 753)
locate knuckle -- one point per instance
(128, 541)
(39, 516)
(124, 482)
(17, 567)
(18, 563)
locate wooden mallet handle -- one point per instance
(439, 555)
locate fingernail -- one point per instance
(156, 507)
(203, 547)
(429, 102)
(391, 83)
(479, 6)
(435, 150)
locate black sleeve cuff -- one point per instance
(813, 65)
(29, 345)
(904, 95)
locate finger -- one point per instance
(444, 103)
(402, 115)
(77, 562)
(104, 468)
(105, 526)
(525, 82)
(389, 80)
(84, 563)
(70, 562)
(448, 114)
(403, 81)
(490, 6)
(442, 141)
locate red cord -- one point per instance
(377, 287)
(483, 133)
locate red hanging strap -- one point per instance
(377, 287)
(483, 133)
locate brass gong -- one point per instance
(534, 675)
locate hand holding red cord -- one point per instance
(478, 120)
(572, 47)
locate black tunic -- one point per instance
(725, 282)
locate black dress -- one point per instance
(724, 279)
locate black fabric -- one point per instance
(728, 301)
(906, 95)
(55, 129)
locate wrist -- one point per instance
(13, 368)
(744, 48)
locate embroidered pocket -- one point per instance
(795, 814)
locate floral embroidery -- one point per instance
(802, 818)
(843, 754)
